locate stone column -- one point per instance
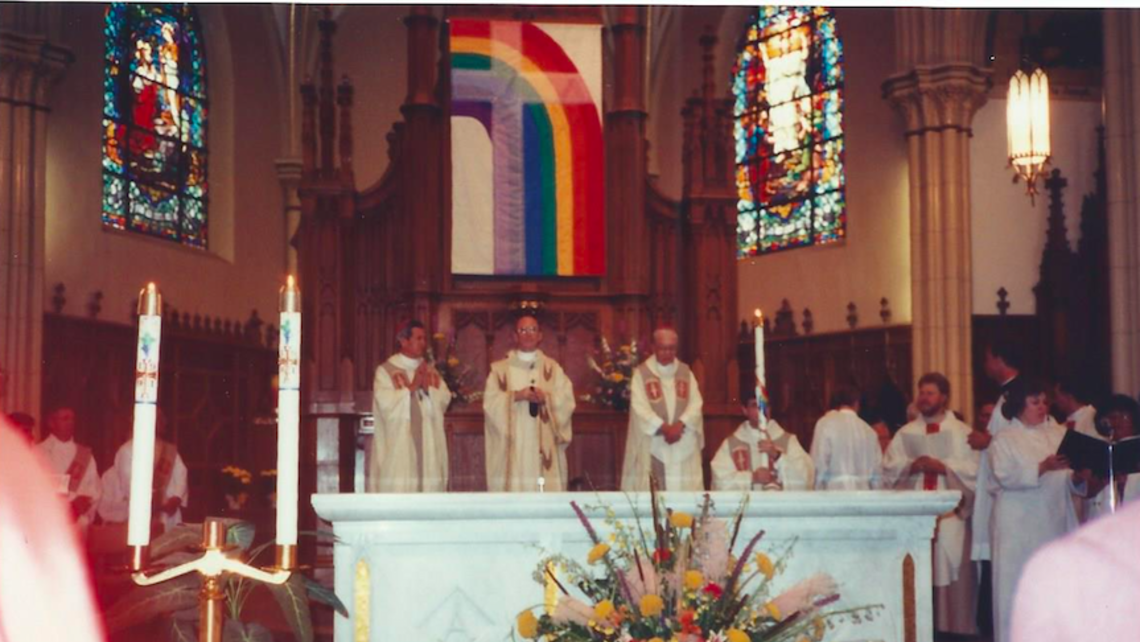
(1122, 149)
(29, 65)
(937, 97)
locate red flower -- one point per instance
(687, 625)
(713, 590)
(662, 555)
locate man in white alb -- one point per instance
(527, 407)
(759, 457)
(409, 449)
(666, 428)
(171, 491)
(73, 465)
(932, 453)
(844, 448)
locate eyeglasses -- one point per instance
(530, 330)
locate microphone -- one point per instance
(1104, 428)
(533, 404)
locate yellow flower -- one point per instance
(736, 635)
(527, 625)
(681, 520)
(651, 605)
(694, 580)
(773, 610)
(598, 552)
(817, 630)
(656, 640)
(603, 609)
(764, 563)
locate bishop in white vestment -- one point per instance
(761, 457)
(666, 428)
(409, 398)
(528, 403)
(932, 453)
(76, 475)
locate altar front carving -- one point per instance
(459, 566)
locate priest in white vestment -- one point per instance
(528, 403)
(844, 449)
(761, 457)
(409, 398)
(76, 475)
(1002, 365)
(666, 426)
(171, 492)
(1033, 494)
(932, 453)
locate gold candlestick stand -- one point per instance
(213, 565)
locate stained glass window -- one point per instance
(788, 113)
(154, 122)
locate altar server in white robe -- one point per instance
(171, 491)
(1118, 419)
(1002, 365)
(844, 449)
(1033, 493)
(76, 475)
(409, 398)
(528, 403)
(759, 457)
(666, 426)
(955, 469)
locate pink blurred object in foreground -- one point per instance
(45, 589)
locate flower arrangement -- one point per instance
(615, 370)
(678, 582)
(236, 484)
(457, 375)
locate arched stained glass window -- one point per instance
(788, 111)
(154, 122)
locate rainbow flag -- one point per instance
(527, 155)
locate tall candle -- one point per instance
(288, 413)
(761, 383)
(146, 410)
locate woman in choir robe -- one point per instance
(1116, 420)
(1033, 489)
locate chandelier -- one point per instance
(1027, 126)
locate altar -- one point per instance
(459, 566)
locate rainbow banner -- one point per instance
(527, 155)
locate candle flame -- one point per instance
(290, 282)
(759, 315)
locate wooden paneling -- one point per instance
(803, 370)
(215, 391)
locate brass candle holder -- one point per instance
(213, 565)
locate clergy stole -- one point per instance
(78, 467)
(400, 381)
(929, 479)
(546, 426)
(682, 380)
(736, 445)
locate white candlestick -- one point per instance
(146, 410)
(288, 414)
(761, 384)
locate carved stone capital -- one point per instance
(29, 66)
(938, 98)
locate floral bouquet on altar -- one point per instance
(615, 370)
(456, 374)
(678, 581)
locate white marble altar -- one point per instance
(451, 567)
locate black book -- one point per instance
(1084, 451)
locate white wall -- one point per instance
(246, 260)
(1007, 231)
